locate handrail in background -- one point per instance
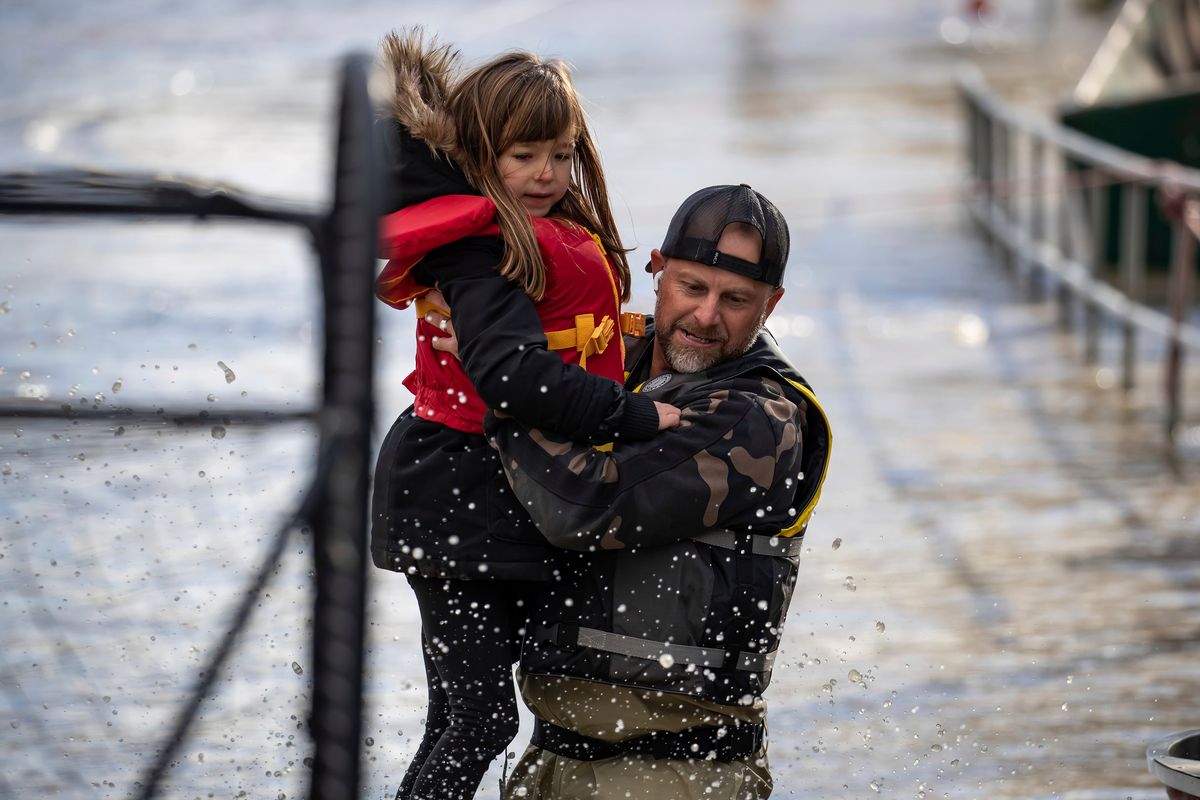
(1045, 221)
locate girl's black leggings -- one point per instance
(471, 636)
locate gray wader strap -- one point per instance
(780, 546)
(566, 635)
(723, 743)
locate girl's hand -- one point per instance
(668, 415)
(447, 342)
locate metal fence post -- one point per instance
(1037, 212)
(340, 524)
(1133, 272)
(1098, 228)
(1183, 252)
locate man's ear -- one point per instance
(778, 293)
(657, 261)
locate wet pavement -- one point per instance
(1001, 587)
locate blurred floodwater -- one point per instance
(1002, 585)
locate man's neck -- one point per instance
(658, 362)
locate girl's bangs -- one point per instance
(537, 119)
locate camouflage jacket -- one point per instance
(688, 544)
(750, 456)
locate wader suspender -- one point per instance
(725, 743)
(566, 635)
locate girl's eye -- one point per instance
(521, 156)
(564, 156)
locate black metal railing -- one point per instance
(334, 506)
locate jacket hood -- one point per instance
(422, 72)
(417, 132)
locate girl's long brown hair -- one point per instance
(517, 97)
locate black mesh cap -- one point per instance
(699, 222)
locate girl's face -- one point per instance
(538, 173)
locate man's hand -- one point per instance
(668, 415)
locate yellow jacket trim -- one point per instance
(801, 522)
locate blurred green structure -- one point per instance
(1141, 93)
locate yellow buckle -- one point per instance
(633, 323)
(586, 337)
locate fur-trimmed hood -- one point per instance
(416, 129)
(422, 72)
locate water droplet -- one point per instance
(856, 677)
(879, 626)
(229, 376)
(849, 585)
(218, 431)
(116, 387)
(296, 668)
(837, 543)
(666, 660)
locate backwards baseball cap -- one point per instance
(697, 226)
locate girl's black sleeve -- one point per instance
(503, 350)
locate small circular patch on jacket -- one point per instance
(657, 382)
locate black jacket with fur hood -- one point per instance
(441, 505)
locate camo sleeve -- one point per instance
(732, 463)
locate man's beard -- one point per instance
(686, 360)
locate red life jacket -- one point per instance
(580, 310)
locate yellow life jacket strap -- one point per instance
(586, 337)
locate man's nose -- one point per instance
(707, 311)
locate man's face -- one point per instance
(705, 315)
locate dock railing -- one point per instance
(334, 505)
(1041, 194)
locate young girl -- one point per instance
(501, 199)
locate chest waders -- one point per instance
(700, 617)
